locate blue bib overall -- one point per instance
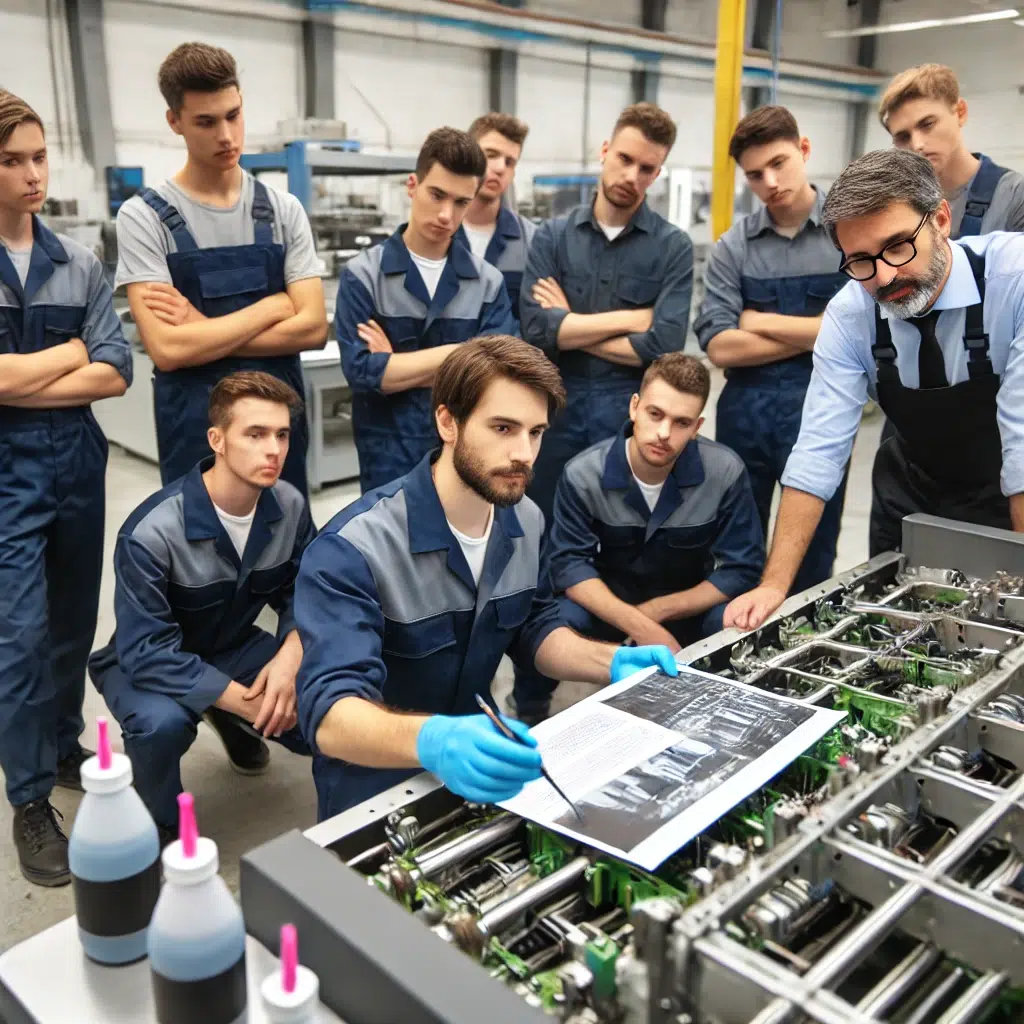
(219, 281)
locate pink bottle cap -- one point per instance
(289, 956)
(103, 751)
(188, 830)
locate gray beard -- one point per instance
(915, 304)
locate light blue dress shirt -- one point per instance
(845, 373)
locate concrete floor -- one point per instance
(240, 813)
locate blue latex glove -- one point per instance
(628, 660)
(474, 760)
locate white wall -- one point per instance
(987, 58)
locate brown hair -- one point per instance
(761, 126)
(14, 112)
(651, 121)
(504, 124)
(923, 82)
(463, 377)
(454, 150)
(682, 372)
(249, 384)
(195, 67)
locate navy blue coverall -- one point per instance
(507, 250)
(649, 265)
(218, 281)
(705, 526)
(387, 610)
(186, 608)
(753, 266)
(393, 432)
(52, 468)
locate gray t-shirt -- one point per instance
(143, 242)
(21, 258)
(1006, 212)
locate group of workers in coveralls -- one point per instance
(528, 428)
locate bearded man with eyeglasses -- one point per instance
(934, 330)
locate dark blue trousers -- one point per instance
(157, 730)
(52, 499)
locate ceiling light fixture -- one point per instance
(915, 26)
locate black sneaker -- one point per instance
(69, 770)
(41, 844)
(248, 754)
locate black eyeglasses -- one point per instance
(896, 254)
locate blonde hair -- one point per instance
(923, 82)
(14, 111)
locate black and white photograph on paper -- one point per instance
(652, 762)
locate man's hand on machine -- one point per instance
(166, 303)
(749, 610)
(628, 660)
(473, 759)
(276, 685)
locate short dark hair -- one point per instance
(14, 112)
(651, 121)
(249, 384)
(682, 372)
(454, 150)
(195, 67)
(504, 124)
(464, 376)
(761, 126)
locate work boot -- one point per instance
(248, 754)
(41, 844)
(69, 770)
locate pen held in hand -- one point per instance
(512, 735)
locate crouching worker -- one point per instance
(195, 565)
(655, 529)
(408, 598)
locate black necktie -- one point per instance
(931, 367)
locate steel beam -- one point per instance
(761, 23)
(318, 64)
(645, 81)
(867, 49)
(503, 73)
(92, 88)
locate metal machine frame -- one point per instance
(683, 965)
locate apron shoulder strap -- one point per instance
(884, 351)
(975, 339)
(262, 214)
(979, 198)
(171, 219)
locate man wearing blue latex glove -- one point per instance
(407, 600)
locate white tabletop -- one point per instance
(52, 978)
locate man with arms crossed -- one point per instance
(768, 280)
(607, 291)
(194, 566)
(61, 348)
(491, 230)
(406, 303)
(408, 599)
(221, 270)
(934, 329)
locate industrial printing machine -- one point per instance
(879, 877)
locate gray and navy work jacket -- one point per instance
(704, 526)
(387, 610)
(393, 432)
(65, 296)
(182, 595)
(753, 266)
(507, 250)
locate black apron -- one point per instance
(946, 454)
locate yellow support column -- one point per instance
(732, 24)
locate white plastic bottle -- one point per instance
(292, 994)
(197, 935)
(114, 853)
